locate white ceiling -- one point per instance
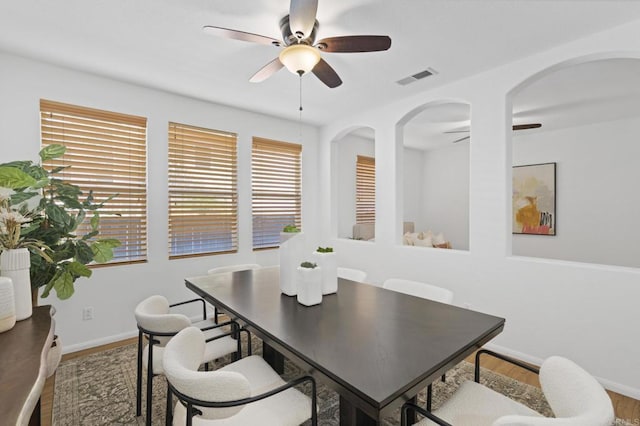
(587, 93)
(159, 43)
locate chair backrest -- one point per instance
(576, 397)
(419, 289)
(153, 314)
(233, 268)
(352, 274)
(182, 357)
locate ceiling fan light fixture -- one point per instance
(300, 58)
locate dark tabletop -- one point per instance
(379, 345)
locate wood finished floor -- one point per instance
(625, 408)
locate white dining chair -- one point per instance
(425, 291)
(233, 268)
(352, 274)
(245, 392)
(576, 398)
(419, 289)
(159, 325)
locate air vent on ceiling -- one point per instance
(417, 76)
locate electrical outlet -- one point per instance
(87, 313)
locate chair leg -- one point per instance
(139, 377)
(149, 381)
(429, 396)
(444, 377)
(169, 411)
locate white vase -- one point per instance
(7, 305)
(309, 286)
(329, 265)
(290, 252)
(14, 264)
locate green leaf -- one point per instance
(20, 197)
(70, 202)
(49, 285)
(78, 269)
(95, 221)
(58, 169)
(89, 235)
(103, 249)
(64, 285)
(84, 254)
(57, 214)
(11, 177)
(51, 152)
(22, 165)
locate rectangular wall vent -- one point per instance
(417, 76)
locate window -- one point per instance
(203, 191)
(107, 154)
(365, 189)
(276, 187)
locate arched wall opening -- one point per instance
(434, 170)
(353, 183)
(575, 178)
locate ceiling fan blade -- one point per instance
(352, 44)
(515, 127)
(462, 139)
(267, 71)
(527, 126)
(302, 17)
(240, 35)
(326, 74)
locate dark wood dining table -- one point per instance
(375, 347)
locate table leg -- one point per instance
(350, 415)
(411, 415)
(274, 358)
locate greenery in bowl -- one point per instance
(309, 265)
(324, 249)
(290, 229)
(55, 209)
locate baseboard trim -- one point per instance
(607, 384)
(98, 342)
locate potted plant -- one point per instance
(290, 252)
(50, 212)
(326, 259)
(309, 284)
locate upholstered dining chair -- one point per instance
(419, 289)
(245, 392)
(352, 274)
(158, 325)
(233, 268)
(425, 291)
(576, 398)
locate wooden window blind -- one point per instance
(107, 154)
(365, 189)
(276, 190)
(203, 191)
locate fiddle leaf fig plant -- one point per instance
(57, 210)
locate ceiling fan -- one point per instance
(514, 127)
(301, 53)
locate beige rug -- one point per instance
(99, 389)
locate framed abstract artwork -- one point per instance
(534, 199)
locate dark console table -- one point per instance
(23, 367)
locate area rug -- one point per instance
(100, 389)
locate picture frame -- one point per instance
(534, 199)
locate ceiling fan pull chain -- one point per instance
(300, 116)
(300, 96)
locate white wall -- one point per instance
(597, 202)
(346, 151)
(413, 183)
(582, 311)
(446, 193)
(114, 291)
